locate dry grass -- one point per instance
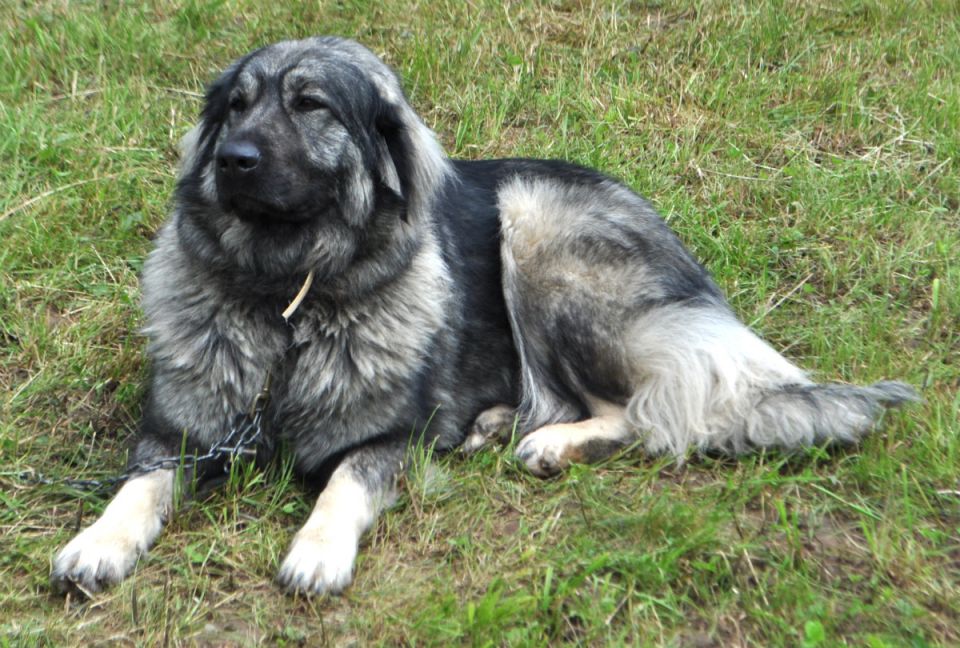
(808, 153)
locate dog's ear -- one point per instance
(377, 132)
(407, 164)
(393, 158)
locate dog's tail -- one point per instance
(712, 384)
(792, 415)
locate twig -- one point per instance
(74, 94)
(781, 300)
(616, 611)
(756, 578)
(51, 192)
(583, 507)
(292, 308)
(700, 171)
(935, 170)
(181, 91)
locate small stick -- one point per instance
(295, 304)
(781, 300)
(46, 194)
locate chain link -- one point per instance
(242, 440)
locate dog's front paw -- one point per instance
(107, 551)
(97, 558)
(318, 563)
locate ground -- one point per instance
(807, 152)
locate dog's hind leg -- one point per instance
(491, 426)
(605, 304)
(570, 285)
(551, 448)
(322, 553)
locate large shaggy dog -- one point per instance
(447, 297)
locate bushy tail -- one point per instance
(796, 415)
(707, 382)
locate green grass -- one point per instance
(808, 153)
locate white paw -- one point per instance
(98, 557)
(546, 451)
(318, 563)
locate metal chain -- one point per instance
(242, 439)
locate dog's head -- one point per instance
(304, 152)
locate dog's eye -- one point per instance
(307, 104)
(237, 104)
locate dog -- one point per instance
(448, 301)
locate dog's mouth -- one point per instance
(263, 214)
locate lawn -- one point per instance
(808, 152)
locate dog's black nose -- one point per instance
(241, 156)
